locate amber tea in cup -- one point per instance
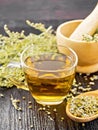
(49, 74)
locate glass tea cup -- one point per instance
(49, 72)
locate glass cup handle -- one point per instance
(17, 83)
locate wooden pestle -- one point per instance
(88, 26)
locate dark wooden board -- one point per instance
(39, 117)
(44, 9)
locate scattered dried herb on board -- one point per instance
(15, 103)
(84, 106)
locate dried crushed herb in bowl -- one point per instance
(89, 38)
(84, 106)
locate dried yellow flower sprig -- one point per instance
(14, 43)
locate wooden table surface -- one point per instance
(37, 117)
(34, 116)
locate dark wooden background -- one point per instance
(50, 12)
(12, 11)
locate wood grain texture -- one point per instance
(38, 117)
(45, 9)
